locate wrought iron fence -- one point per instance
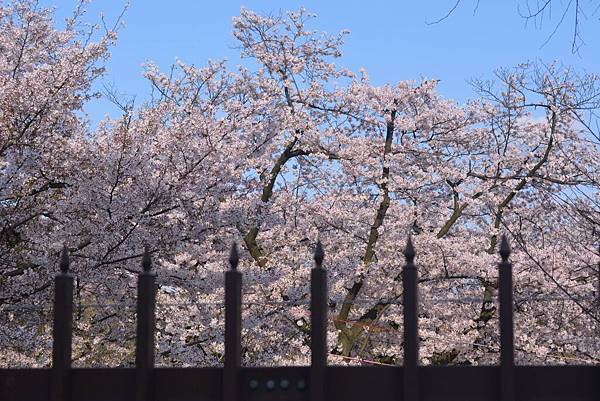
(317, 382)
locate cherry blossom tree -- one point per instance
(45, 78)
(275, 154)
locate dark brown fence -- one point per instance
(317, 382)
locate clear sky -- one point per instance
(391, 39)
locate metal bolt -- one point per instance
(284, 384)
(301, 385)
(270, 385)
(253, 384)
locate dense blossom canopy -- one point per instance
(291, 148)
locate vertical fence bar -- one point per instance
(144, 350)
(507, 356)
(598, 283)
(233, 328)
(411, 329)
(318, 326)
(62, 330)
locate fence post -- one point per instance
(233, 328)
(144, 350)
(411, 329)
(598, 283)
(318, 326)
(62, 330)
(507, 357)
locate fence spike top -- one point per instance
(319, 254)
(234, 258)
(146, 260)
(409, 251)
(64, 260)
(504, 248)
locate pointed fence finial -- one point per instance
(146, 259)
(234, 258)
(504, 248)
(319, 254)
(409, 251)
(64, 259)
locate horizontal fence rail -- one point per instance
(317, 382)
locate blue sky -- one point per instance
(391, 39)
